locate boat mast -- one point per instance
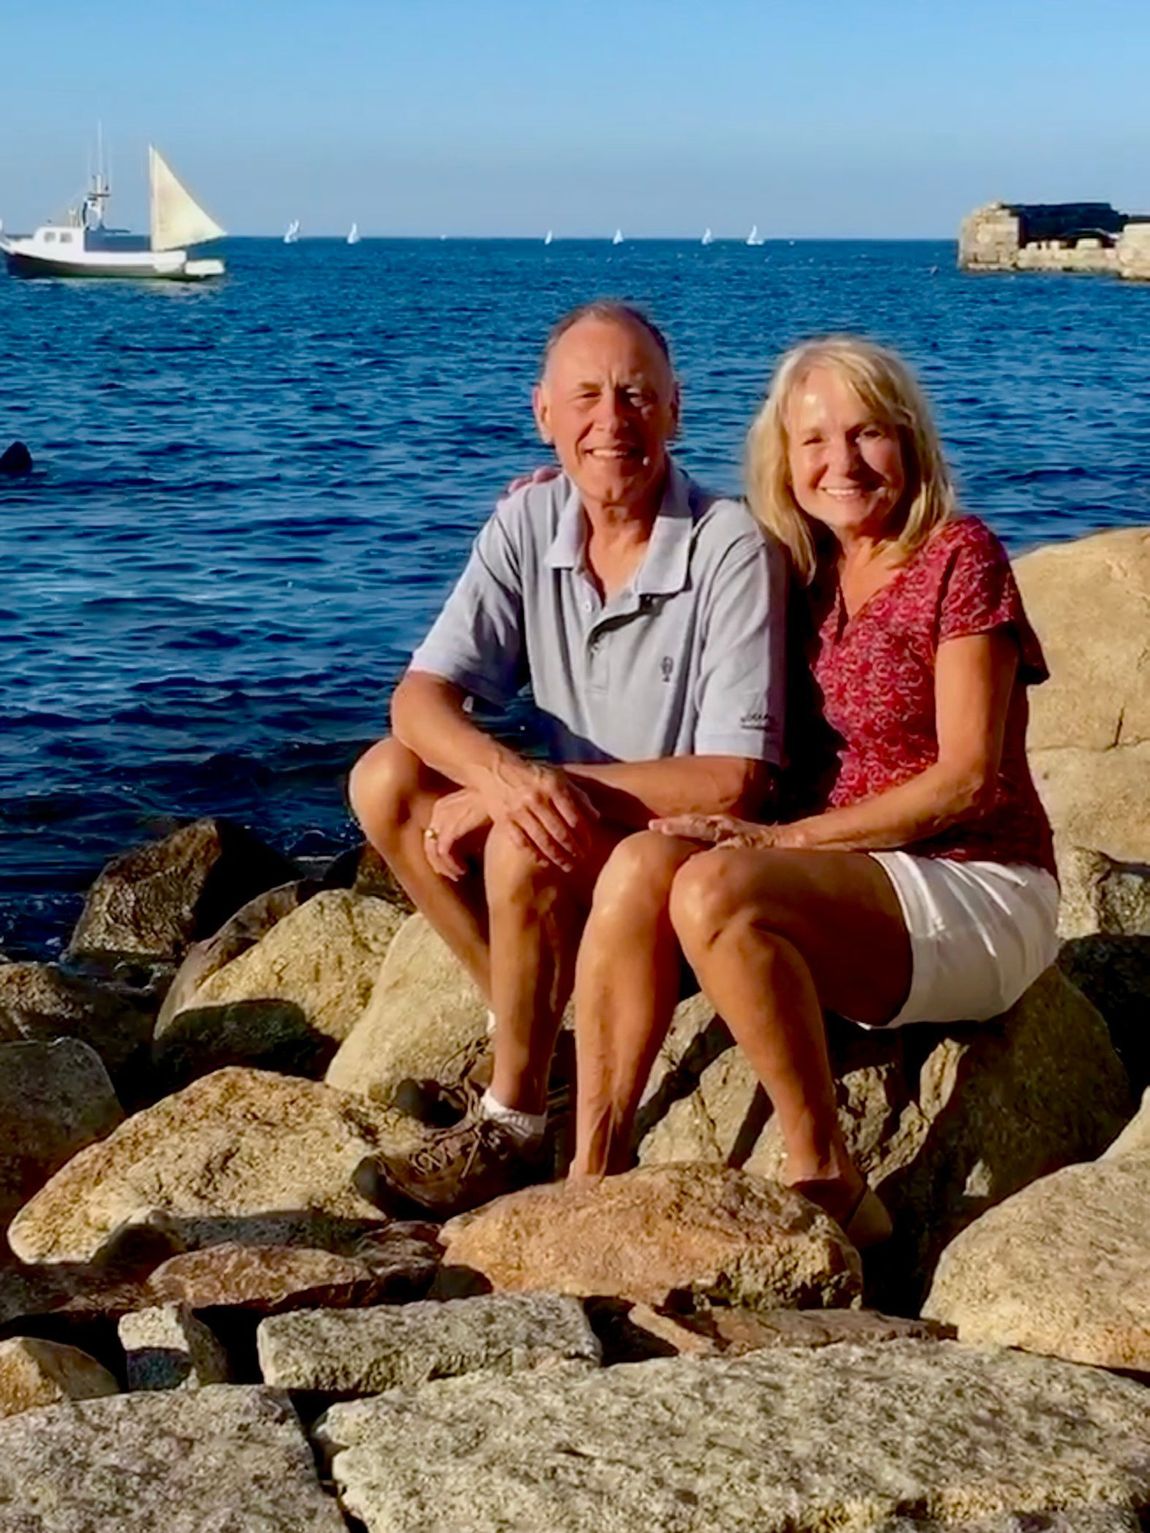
(92, 211)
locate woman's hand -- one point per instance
(722, 830)
(537, 476)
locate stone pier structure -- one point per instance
(1056, 236)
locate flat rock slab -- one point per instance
(271, 1279)
(682, 1235)
(221, 1458)
(364, 1352)
(243, 1143)
(1061, 1268)
(642, 1332)
(847, 1437)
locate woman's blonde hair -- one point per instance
(885, 385)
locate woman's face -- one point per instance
(846, 465)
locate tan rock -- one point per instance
(1100, 895)
(1135, 1137)
(1089, 737)
(237, 1143)
(35, 1372)
(944, 1122)
(55, 1098)
(167, 1347)
(1061, 1268)
(291, 998)
(424, 1018)
(680, 1235)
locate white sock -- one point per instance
(526, 1127)
(491, 1024)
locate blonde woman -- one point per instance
(922, 887)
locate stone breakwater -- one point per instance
(209, 1317)
(1063, 236)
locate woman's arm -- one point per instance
(974, 682)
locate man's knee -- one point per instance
(515, 870)
(383, 784)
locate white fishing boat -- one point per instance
(707, 237)
(617, 237)
(291, 233)
(754, 238)
(353, 234)
(84, 246)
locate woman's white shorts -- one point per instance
(980, 934)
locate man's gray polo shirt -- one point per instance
(686, 660)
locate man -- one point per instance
(647, 619)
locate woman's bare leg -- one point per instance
(626, 989)
(774, 937)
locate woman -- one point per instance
(923, 888)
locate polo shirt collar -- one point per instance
(664, 567)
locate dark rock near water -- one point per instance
(156, 900)
(43, 1001)
(364, 871)
(15, 460)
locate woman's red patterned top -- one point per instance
(875, 673)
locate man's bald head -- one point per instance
(610, 311)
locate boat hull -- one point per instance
(144, 266)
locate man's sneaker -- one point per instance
(462, 1167)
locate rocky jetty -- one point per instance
(210, 1318)
(1061, 236)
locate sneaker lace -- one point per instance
(483, 1133)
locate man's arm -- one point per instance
(631, 793)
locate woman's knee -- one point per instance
(383, 784)
(635, 884)
(708, 894)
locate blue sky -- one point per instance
(503, 117)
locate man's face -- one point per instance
(609, 402)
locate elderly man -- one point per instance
(646, 616)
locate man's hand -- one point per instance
(455, 817)
(541, 807)
(721, 830)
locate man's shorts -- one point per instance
(980, 933)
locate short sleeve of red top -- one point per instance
(875, 674)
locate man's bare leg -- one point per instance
(626, 989)
(392, 794)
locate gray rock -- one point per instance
(166, 1347)
(846, 1437)
(223, 1458)
(1061, 1268)
(55, 1098)
(41, 1001)
(362, 1352)
(1100, 894)
(156, 900)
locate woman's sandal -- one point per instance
(868, 1223)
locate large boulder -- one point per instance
(944, 1122)
(425, 1018)
(154, 901)
(912, 1435)
(34, 1372)
(287, 1001)
(1089, 736)
(55, 1098)
(224, 1457)
(43, 1001)
(1061, 1268)
(237, 1149)
(686, 1235)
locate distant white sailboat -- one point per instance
(706, 240)
(617, 237)
(754, 237)
(548, 237)
(291, 233)
(353, 234)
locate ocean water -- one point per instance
(250, 498)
